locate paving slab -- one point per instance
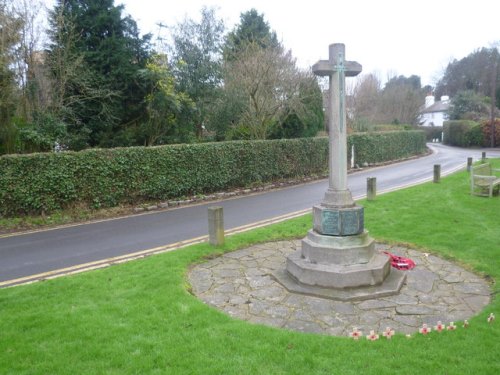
(241, 284)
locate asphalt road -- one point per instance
(42, 252)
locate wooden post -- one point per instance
(483, 157)
(371, 188)
(469, 164)
(215, 225)
(437, 173)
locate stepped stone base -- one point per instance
(344, 268)
(339, 276)
(391, 286)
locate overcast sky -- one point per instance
(385, 36)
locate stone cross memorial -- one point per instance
(338, 258)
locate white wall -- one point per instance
(433, 118)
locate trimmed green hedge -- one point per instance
(463, 133)
(31, 184)
(385, 146)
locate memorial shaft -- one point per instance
(337, 68)
(337, 122)
(338, 254)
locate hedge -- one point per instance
(486, 129)
(41, 183)
(462, 133)
(385, 146)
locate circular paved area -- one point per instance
(239, 283)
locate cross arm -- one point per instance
(327, 68)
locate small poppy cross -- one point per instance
(439, 327)
(388, 333)
(424, 330)
(491, 318)
(451, 327)
(356, 334)
(372, 336)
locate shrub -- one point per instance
(388, 127)
(107, 177)
(486, 132)
(462, 133)
(385, 146)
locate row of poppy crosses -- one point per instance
(424, 330)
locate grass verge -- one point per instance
(139, 318)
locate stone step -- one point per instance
(391, 286)
(338, 276)
(346, 250)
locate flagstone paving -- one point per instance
(240, 284)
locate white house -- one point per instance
(434, 113)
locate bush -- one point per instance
(486, 132)
(31, 184)
(388, 127)
(462, 133)
(385, 146)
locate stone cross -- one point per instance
(337, 68)
(337, 258)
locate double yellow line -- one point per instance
(141, 254)
(178, 245)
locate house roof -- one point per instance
(439, 106)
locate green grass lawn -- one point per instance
(139, 317)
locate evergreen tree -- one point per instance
(251, 29)
(197, 62)
(468, 105)
(111, 53)
(473, 72)
(166, 108)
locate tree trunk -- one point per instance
(493, 101)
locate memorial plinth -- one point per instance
(338, 258)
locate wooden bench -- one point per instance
(483, 180)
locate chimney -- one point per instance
(429, 100)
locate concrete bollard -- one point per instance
(437, 173)
(215, 226)
(371, 188)
(469, 164)
(483, 157)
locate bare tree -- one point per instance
(400, 105)
(9, 39)
(72, 84)
(30, 74)
(268, 82)
(494, 81)
(25, 53)
(365, 101)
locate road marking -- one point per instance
(143, 253)
(181, 244)
(103, 262)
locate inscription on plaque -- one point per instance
(334, 222)
(330, 222)
(351, 221)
